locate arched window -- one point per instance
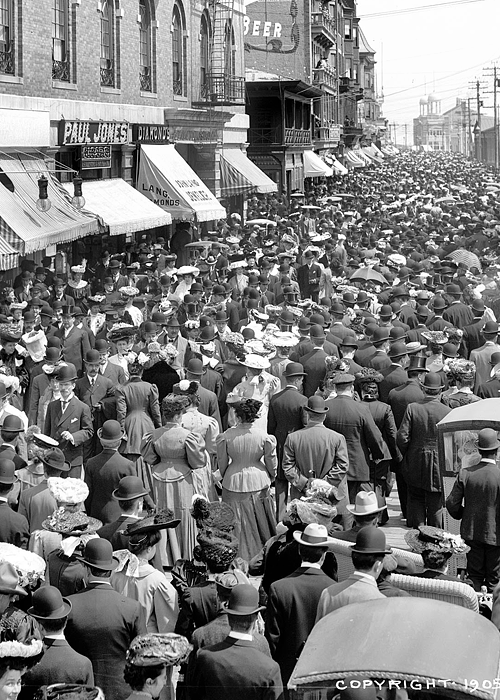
(60, 40)
(107, 43)
(179, 51)
(7, 33)
(229, 50)
(204, 54)
(145, 46)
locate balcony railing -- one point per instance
(145, 79)
(108, 74)
(325, 76)
(178, 86)
(327, 133)
(324, 21)
(7, 59)
(298, 136)
(223, 89)
(60, 70)
(260, 137)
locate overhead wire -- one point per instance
(420, 8)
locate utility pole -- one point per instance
(406, 135)
(469, 130)
(478, 134)
(495, 116)
(395, 133)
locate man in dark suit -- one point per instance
(308, 277)
(37, 503)
(491, 388)
(12, 427)
(102, 622)
(472, 337)
(414, 335)
(59, 294)
(474, 500)
(129, 496)
(98, 393)
(315, 451)
(60, 663)
(417, 441)
(381, 343)
(208, 378)
(314, 362)
(107, 369)
(293, 601)
(364, 441)
(285, 416)
(458, 313)
(14, 527)
(234, 668)
(74, 341)
(69, 421)
(209, 405)
(394, 375)
(104, 472)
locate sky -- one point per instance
(440, 50)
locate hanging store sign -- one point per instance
(183, 134)
(150, 133)
(79, 133)
(93, 157)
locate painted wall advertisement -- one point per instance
(274, 37)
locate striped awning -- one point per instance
(23, 226)
(314, 166)
(9, 256)
(240, 176)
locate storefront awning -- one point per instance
(24, 227)
(9, 257)
(314, 166)
(122, 208)
(337, 165)
(353, 160)
(166, 179)
(240, 176)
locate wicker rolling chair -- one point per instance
(457, 561)
(342, 551)
(454, 592)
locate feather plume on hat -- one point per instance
(368, 375)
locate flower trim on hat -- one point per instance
(155, 648)
(19, 650)
(458, 367)
(70, 491)
(368, 375)
(29, 566)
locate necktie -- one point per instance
(64, 405)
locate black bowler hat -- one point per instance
(370, 540)
(7, 472)
(98, 553)
(48, 604)
(129, 487)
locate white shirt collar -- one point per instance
(100, 580)
(310, 565)
(366, 577)
(484, 459)
(54, 636)
(3, 500)
(240, 635)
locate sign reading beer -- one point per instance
(150, 133)
(79, 133)
(98, 156)
(273, 31)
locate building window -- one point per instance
(229, 50)
(60, 41)
(145, 47)
(204, 54)
(107, 44)
(7, 33)
(347, 29)
(179, 63)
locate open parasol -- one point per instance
(368, 274)
(261, 222)
(465, 257)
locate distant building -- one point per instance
(428, 127)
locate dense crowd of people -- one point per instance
(192, 416)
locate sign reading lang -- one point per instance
(272, 32)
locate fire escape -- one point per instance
(223, 85)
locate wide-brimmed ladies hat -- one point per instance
(75, 524)
(9, 580)
(428, 538)
(156, 648)
(314, 535)
(48, 604)
(366, 503)
(255, 362)
(162, 520)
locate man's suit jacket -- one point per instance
(417, 440)
(113, 532)
(78, 421)
(415, 334)
(285, 415)
(473, 337)
(234, 669)
(115, 373)
(315, 369)
(102, 475)
(60, 664)
(36, 504)
(14, 528)
(101, 625)
(304, 348)
(394, 376)
(39, 384)
(308, 279)
(316, 448)
(217, 630)
(474, 500)
(379, 360)
(401, 396)
(481, 358)
(459, 315)
(363, 355)
(355, 589)
(364, 442)
(212, 381)
(209, 405)
(74, 346)
(291, 614)
(9, 451)
(102, 392)
(490, 389)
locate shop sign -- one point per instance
(79, 133)
(183, 134)
(98, 156)
(150, 133)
